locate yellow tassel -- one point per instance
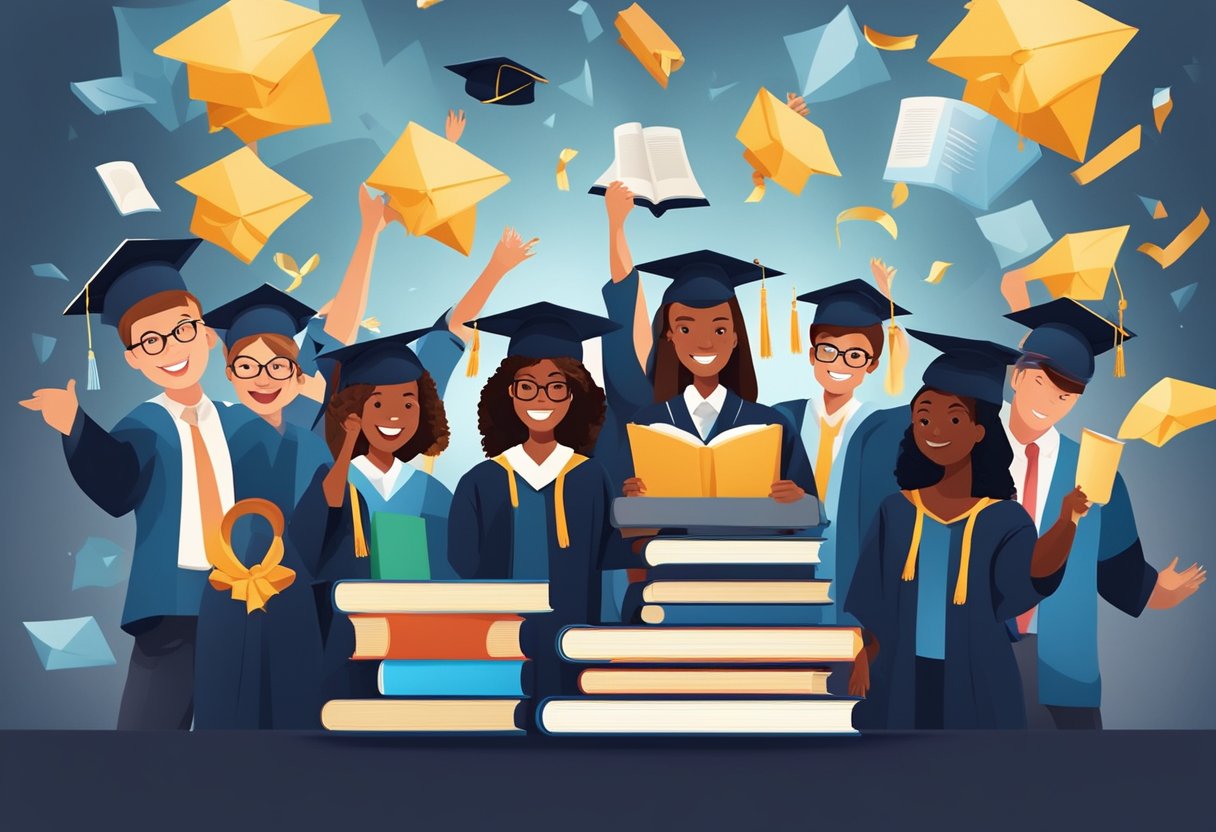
(559, 501)
(766, 341)
(360, 538)
(474, 353)
(1120, 361)
(795, 327)
(94, 380)
(501, 459)
(917, 527)
(964, 561)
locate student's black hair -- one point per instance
(990, 458)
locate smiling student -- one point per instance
(952, 556)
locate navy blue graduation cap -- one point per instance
(545, 330)
(705, 278)
(387, 360)
(499, 81)
(967, 367)
(853, 303)
(1066, 336)
(265, 310)
(134, 272)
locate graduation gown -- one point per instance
(626, 386)
(263, 669)
(982, 685)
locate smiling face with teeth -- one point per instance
(262, 394)
(178, 366)
(533, 393)
(944, 427)
(841, 347)
(390, 417)
(704, 339)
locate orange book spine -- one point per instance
(437, 636)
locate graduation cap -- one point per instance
(267, 309)
(498, 81)
(967, 367)
(134, 272)
(705, 278)
(853, 303)
(1066, 336)
(387, 360)
(541, 330)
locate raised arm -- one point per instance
(346, 310)
(618, 200)
(509, 253)
(1053, 547)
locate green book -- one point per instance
(398, 548)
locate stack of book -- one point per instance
(450, 655)
(723, 642)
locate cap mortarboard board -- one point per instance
(499, 81)
(1066, 336)
(267, 309)
(387, 360)
(853, 303)
(545, 330)
(967, 367)
(137, 270)
(705, 278)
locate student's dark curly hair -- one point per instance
(430, 439)
(669, 376)
(501, 428)
(990, 459)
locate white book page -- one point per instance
(734, 433)
(964, 141)
(916, 132)
(126, 188)
(669, 164)
(676, 433)
(631, 166)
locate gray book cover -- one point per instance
(722, 514)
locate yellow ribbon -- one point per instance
(563, 159)
(964, 566)
(258, 584)
(758, 187)
(559, 494)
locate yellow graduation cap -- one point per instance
(1036, 65)
(782, 145)
(646, 41)
(298, 101)
(1079, 265)
(238, 54)
(435, 185)
(241, 202)
(1168, 408)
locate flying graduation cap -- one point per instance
(134, 272)
(967, 367)
(1066, 336)
(499, 81)
(265, 310)
(540, 330)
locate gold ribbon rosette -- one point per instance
(257, 584)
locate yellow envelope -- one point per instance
(1063, 127)
(647, 42)
(298, 101)
(241, 202)
(433, 182)
(238, 54)
(1078, 266)
(782, 145)
(1168, 408)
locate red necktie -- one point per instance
(1030, 502)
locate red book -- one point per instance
(437, 636)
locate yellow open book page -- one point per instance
(743, 462)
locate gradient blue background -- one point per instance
(1158, 670)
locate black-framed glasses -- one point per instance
(526, 391)
(855, 358)
(153, 343)
(279, 368)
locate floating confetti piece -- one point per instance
(937, 271)
(426, 4)
(44, 345)
(1192, 70)
(563, 159)
(371, 324)
(867, 213)
(1155, 207)
(1177, 247)
(287, 264)
(1163, 105)
(551, 120)
(899, 194)
(1182, 297)
(580, 88)
(69, 643)
(1108, 157)
(714, 92)
(71, 133)
(890, 43)
(100, 562)
(48, 270)
(591, 22)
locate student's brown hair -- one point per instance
(670, 377)
(430, 439)
(154, 305)
(1057, 378)
(875, 334)
(279, 344)
(501, 428)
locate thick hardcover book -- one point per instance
(597, 681)
(688, 550)
(741, 462)
(357, 596)
(430, 678)
(398, 548)
(729, 614)
(437, 636)
(696, 716)
(730, 572)
(716, 516)
(704, 645)
(426, 716)
(737, 592)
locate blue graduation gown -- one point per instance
(626, 386)
(982, 685)
(263, 669)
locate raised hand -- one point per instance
(1174, 587)
(787, 491)
(619, 201)
(883, 275)
(634, 487)
(374, 213)
(1074, 505)
(797, 104)
(58, 406)
(453, 127)
(1013, 289)
(511, 250)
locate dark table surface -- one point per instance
(1110, 780)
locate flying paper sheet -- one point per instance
(110, 95)
(551, 120)
(44, 345)
(1108, 157)
(1015, 233)
(1192, 70)
(646, 41)
(1097, 465)
(563, 159)
(48, 270)
(69, 643)
(899, 194)
(834, 60)
(591, 22)
(783, 146)
(957, 148)
(1168, 408)
(714, 92)
(240, 203)
(1186, 238)
(580, 88)
(1155, 207)
(100, 562)
(889, 43)
(287, 264)
(937, 271)
(126, 188)
(1163, 105)
(1079, 265)
(867, 214)
(1182, 297)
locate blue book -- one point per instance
(727, 614)
(454, 677)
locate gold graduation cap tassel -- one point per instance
(897, 356)
(795, 327)
(1120, 361)
(94, 382)
(474, 353)
(766, 341)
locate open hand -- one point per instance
(797, 104)
(58, 406)
(634, 487)
(511, 250)
(787, 491)
(1174, 587)
(453, 127)
(619, 201)
(883, 275)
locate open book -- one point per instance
(126, 188)
(653, 164)
(740, 462)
